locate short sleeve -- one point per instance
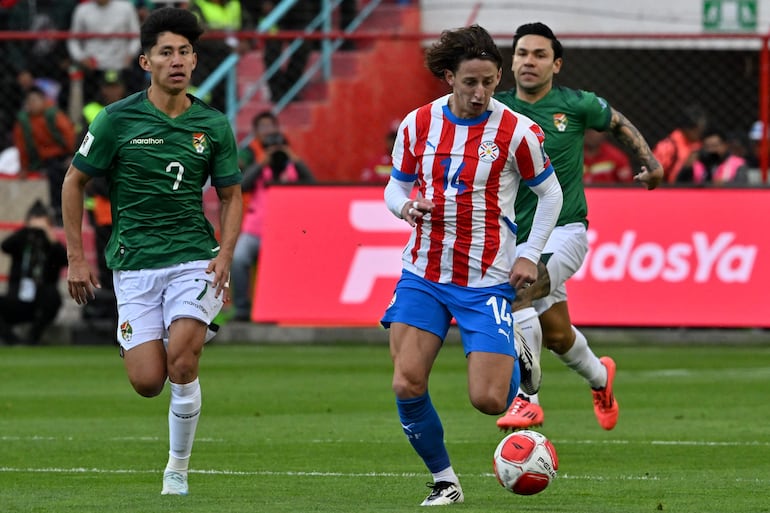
(98, 148)
(224, 169)
(598, 111)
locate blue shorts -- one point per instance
(483, 315)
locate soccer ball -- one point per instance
(525, 462)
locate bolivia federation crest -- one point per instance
(126, 331)
(199, 142)
(488, 151)
(560, 121)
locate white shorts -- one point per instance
(149, 300)
(564, 253)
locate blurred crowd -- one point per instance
(69, 71)
(54, 87)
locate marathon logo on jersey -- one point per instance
(488, 151)
(560, 121)
(146, 140)
(199, 142)
(126, 331)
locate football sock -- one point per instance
(515, 380)
(529, 324)
(534, 399)
(514, 390)
(423, 428)
(582, 360)
(183, 415)
(448, 474)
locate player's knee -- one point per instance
(183, 369)
(406, 388)
(147, 387)
(488, 403)
(559, 341)
(147, 380)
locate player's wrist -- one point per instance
(404, 208)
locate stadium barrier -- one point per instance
(667, 258)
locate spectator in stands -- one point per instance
(110, 53)
(145, 7)
(37, 259)
(225, 16)
(348, 10)
(603, 162)
(755, 144)
(378, 169)
(10, 164)
(111, 89)
(42, 62)
(262, 123)
(45, 138)
(296, 19)
(738, 143)
(221, 15)
(715, 164)
(279, 165)
(679, 150)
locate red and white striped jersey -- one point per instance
(470, 169)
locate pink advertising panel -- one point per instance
(670, 257)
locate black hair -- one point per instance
(34, 90)
(691, 116)
(712, 130)
(539, 29)
(39, 209)
(169, 19)
(265, 114)
(456, 46)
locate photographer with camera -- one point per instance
(37, 259)
(279, 165)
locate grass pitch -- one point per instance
(315, 429)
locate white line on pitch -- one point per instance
(290, 473)
(34, 438)
(684, 443)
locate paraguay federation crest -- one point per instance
(488, 151)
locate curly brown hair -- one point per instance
(458, 45)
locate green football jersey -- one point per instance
(563, 114)
(156, 167)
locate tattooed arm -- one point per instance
(629, 136)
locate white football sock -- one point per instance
(534, 399)
(582, 360)
(529, 324)
(448, 474)
(183, 414)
